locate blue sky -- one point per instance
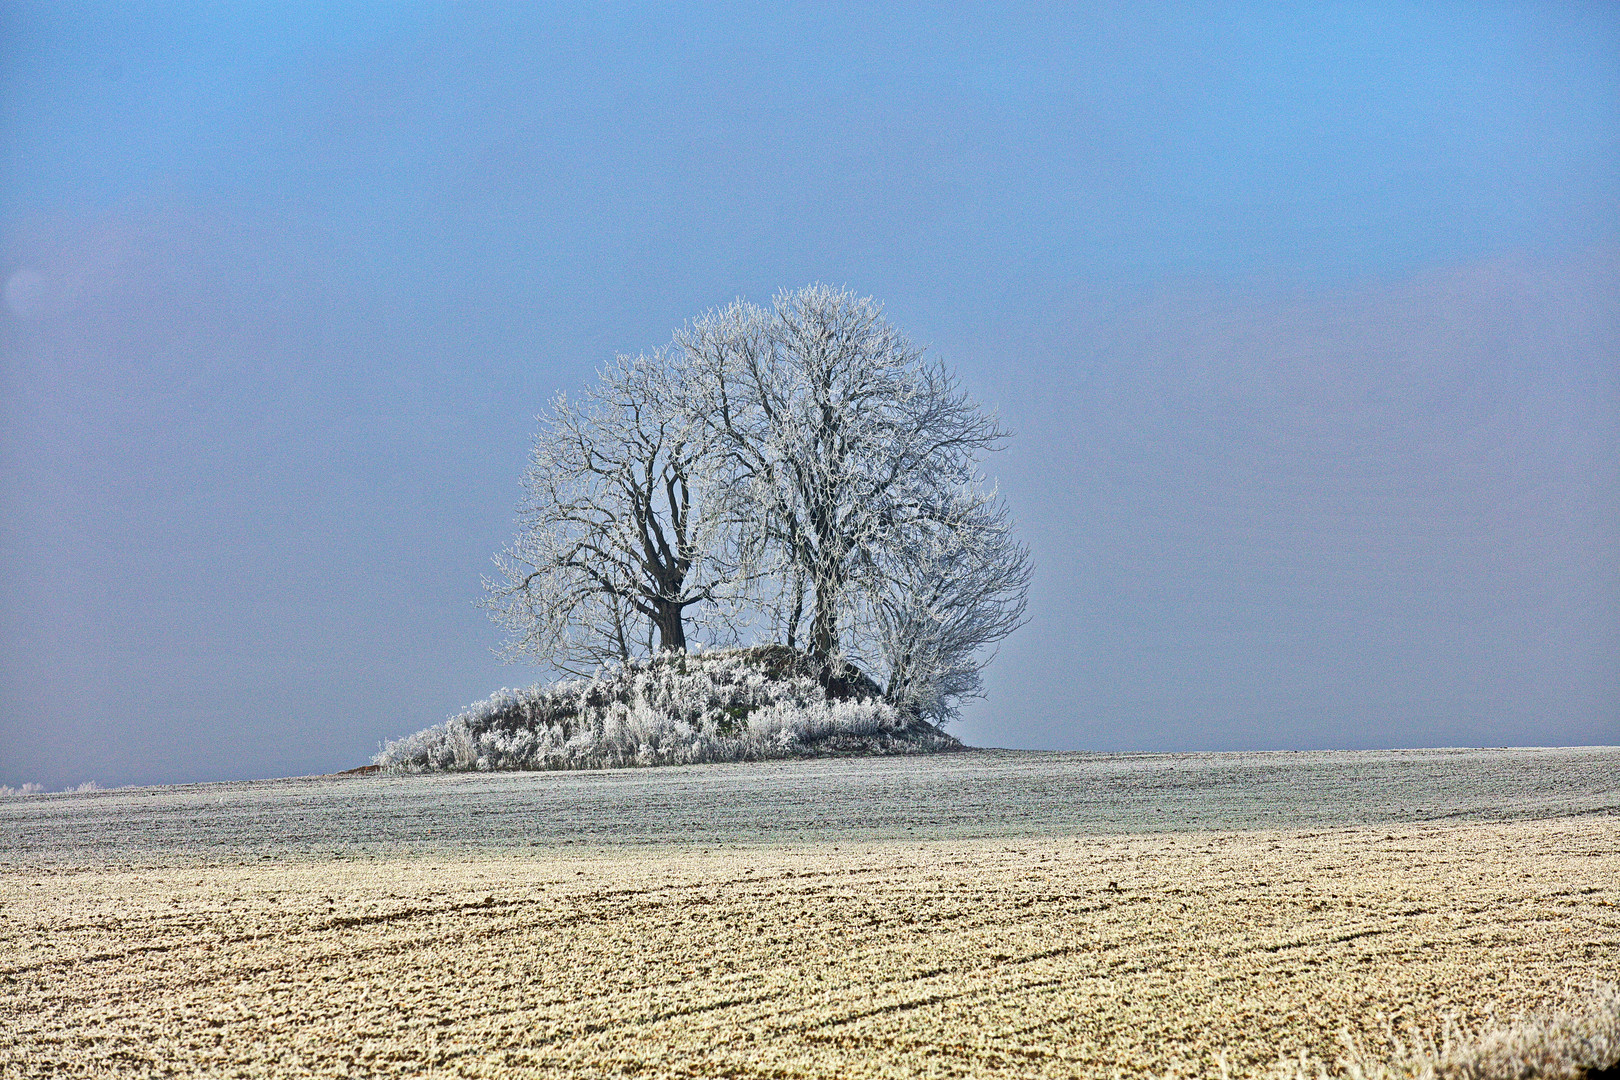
(1305, 318)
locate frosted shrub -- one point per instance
(676, 710)
(26, 789)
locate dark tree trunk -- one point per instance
(671, 628)
(797, 612)
(824, 626)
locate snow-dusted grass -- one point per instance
(677, 710)
(39, 789)
(1559, 1044)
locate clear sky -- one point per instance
(1307, 319)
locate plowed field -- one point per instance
(1055, 955)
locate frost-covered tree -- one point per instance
(851, 459)
(798, 467)
(619, 534)
(958, 585)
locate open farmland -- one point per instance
(979, 914)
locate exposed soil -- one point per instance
(1086, 956)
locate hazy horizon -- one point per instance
(1307, 325)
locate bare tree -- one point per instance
(798, 464)
(850, 458)
(618, 536)
(956, 586)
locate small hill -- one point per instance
(679, 709)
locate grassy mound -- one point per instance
(736, 705)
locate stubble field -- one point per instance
(1051, 953)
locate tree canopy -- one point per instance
(800, 474)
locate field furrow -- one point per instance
(1063, 956)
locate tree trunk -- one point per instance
(824, 626)
(796, 614)
(671, 628)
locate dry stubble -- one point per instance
(1057, 957)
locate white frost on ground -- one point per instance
(1387, 953)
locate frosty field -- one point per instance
(987, 913)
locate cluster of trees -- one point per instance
(799, 474)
